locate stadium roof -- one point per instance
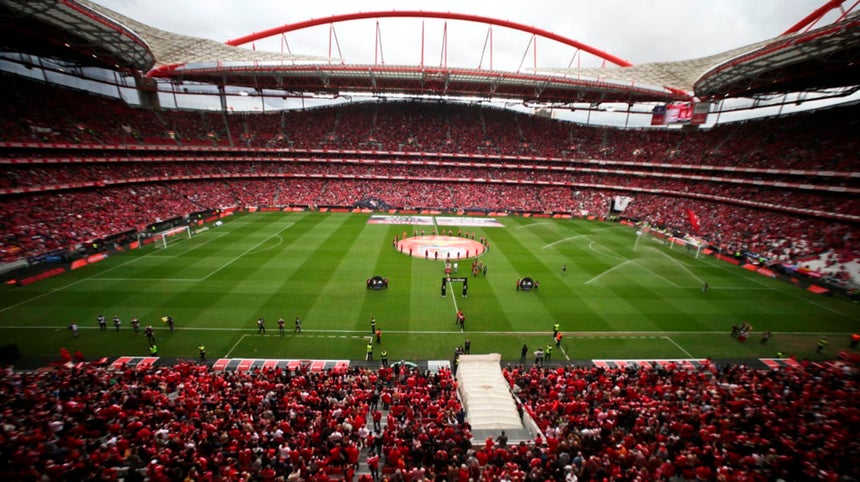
(88, 33)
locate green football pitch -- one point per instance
(621, 296)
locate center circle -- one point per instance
(440, 247)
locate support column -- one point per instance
(147, 92)
(222, 95)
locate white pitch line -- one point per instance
(613, 255)
(280, 242)
(737, 288)
(607, 271)
(563, 240)
(162, 254)
(247, 251)
(453, 296)
(94, 276)
(657, 275)
(235, 345)
(533, 224)
(149, 279)
(679, 347)
(606, 227)
(682, 266)
(61, 288)
(640, 265)
(578, 334)
(834, 310)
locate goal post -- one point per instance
(180, 232)
(162, 239)
(688, 244)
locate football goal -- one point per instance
(690, 246)
(164, 238)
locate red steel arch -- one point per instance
(815, 16)
(428, 14)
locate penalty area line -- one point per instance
(247, 251)
(637, 264)
(562, 240)
(235, 345)
(700, 280)
(607, 271)
(532, 224)
(778, 290)
(679, 347)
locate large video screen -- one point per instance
(680, 113)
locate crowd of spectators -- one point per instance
(729, 423)
(50, 172)
(769, 234)
(821, 141)
(187, 422)
(42, 222)
(578, 169)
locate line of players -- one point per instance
(149, 331)
(261, 326)
(171, 324)
(135, 325)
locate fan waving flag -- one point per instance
(694, 220)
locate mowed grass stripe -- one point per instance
(345, 294)
(148, 300)
(391, 307)
(832, 312)
(201, 255)
(633, 298)
(426, 309)
(251, 283)
(228, 280)
(659, 287)
(755, 297)
(232, 294)
(267, 270)
(124, 296)
(259, 286)
(510, 310)
(330, 297)
(556, 300)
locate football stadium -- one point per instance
(250, 260)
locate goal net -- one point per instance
(170, 236)
(689, 244)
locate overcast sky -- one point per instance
(639, 31)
